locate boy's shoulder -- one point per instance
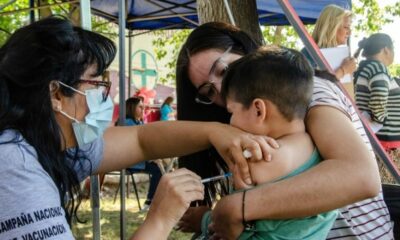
(297, 147)
(294, 151)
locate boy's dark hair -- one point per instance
(280, 75)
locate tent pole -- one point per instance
(86, 23)
(122, 110)
(129, 62)
(228, 9)
(32, 12)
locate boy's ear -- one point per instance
(260, 108)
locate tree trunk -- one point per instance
(74, 14)
(244, 13)
(278, 35)
(43, 12)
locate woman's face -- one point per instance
(75, 106)
(139, 111)
(209, 66)
(344, 31)
(389, 55)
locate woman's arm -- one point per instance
(379, 86)
(348, 66)
(125, 146)
(348, 174)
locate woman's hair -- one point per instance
(167, 101)
(218, 36)
(131, 104)
(330, 19)
(47, 50)
(373, 45)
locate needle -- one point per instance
(206, 180)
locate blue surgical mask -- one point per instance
(96, 121)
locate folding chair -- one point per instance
(131, 172)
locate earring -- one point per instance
(56, 105)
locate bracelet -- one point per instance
(243, 205)
(248, 226)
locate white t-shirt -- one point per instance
(29, 200)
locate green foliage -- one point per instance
(393, 9)
(169, 43)
(394, 70)
(11, 22)
(287, 37)
(369, 17)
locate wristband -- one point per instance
(247, 225)
(243, 205)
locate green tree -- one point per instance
(163, 43)
(13, 16)
(370, 17)
(10, 22)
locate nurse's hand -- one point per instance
(175, 191)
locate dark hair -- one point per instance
(373, 45)
(131, 104)
(213, 35)
(167, 101)
(281, 75)
(47, 50)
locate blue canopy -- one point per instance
(178, 14)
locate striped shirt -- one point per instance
(368, 219)
(379, 95)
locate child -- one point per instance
(268, 92)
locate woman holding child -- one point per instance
(347, 179)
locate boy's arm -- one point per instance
(294, 150)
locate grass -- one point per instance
(110, 216)
(385, 174)
(110, 227)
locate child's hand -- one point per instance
(191, 220)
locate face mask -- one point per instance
(97, 120)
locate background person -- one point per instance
(166, 110)
(377, 95)
(200, 67)
(332, 29)
(134, 117)
(376, 92)
(53, 112)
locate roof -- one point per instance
(178, 14)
